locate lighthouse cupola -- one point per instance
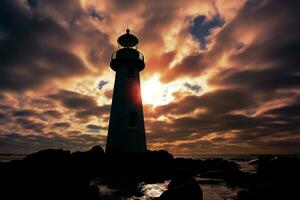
(127, 53)
(128, 40)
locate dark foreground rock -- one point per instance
(182, 187)
(60, 174)
(48, 174)
(277, 178)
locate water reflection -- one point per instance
(151, 191)
(105, 190)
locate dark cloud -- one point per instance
(195, 88)
(32, 3)
(266, 80)
(2, 115)
(52, 114)
(278, 40)
(220, 118)
(18, 143)
(97, 111)
(273, 55)
(35, 43)
(101, 84)
(216, 102)
(291, 110)
(62, 125)
(95, 128)
(24, 113)
(95, 14)
(253, 132)
(74, 100)
(274, 47)
(129, 5)
(4, 119)
(192, 65)
(28, 44)
(30, 124)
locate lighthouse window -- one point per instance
(132, 118)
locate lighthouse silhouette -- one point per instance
(126, 131)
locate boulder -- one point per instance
(182, 188)
(277, 178)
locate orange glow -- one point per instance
(155, 93)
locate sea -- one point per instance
(213, 189)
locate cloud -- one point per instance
(73, 100)
(221, 117)
(18, 143)
(35, 43)
(101, 84)
(24, 113)
(266, 80)
(192, 65)
(53, 114)
(268, 60)
(61, 125)
(97, 111)
(264, 44)
(30, 124)
(195, 88)
(95, 128)
(216, 102)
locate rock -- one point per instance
(227, 171)
(277, 178)
(91, 162)
(182, 188)
(49, 156)
(97, 149)
(49, 174)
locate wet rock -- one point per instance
(49, 173)
(182, 188)
(277, 178)
(91, 162)
(227, 171)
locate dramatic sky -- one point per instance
(221, 76)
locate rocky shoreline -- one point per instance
(60, 174)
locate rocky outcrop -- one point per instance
(277, 178)
(47, 174)
(182, 188)
(60, 174)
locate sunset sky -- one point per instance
(221, 76)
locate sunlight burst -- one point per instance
(155, 93)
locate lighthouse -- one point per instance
(126, 131)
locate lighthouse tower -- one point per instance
(126, 132)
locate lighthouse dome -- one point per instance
(128, 40)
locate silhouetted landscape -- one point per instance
(60, 174)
